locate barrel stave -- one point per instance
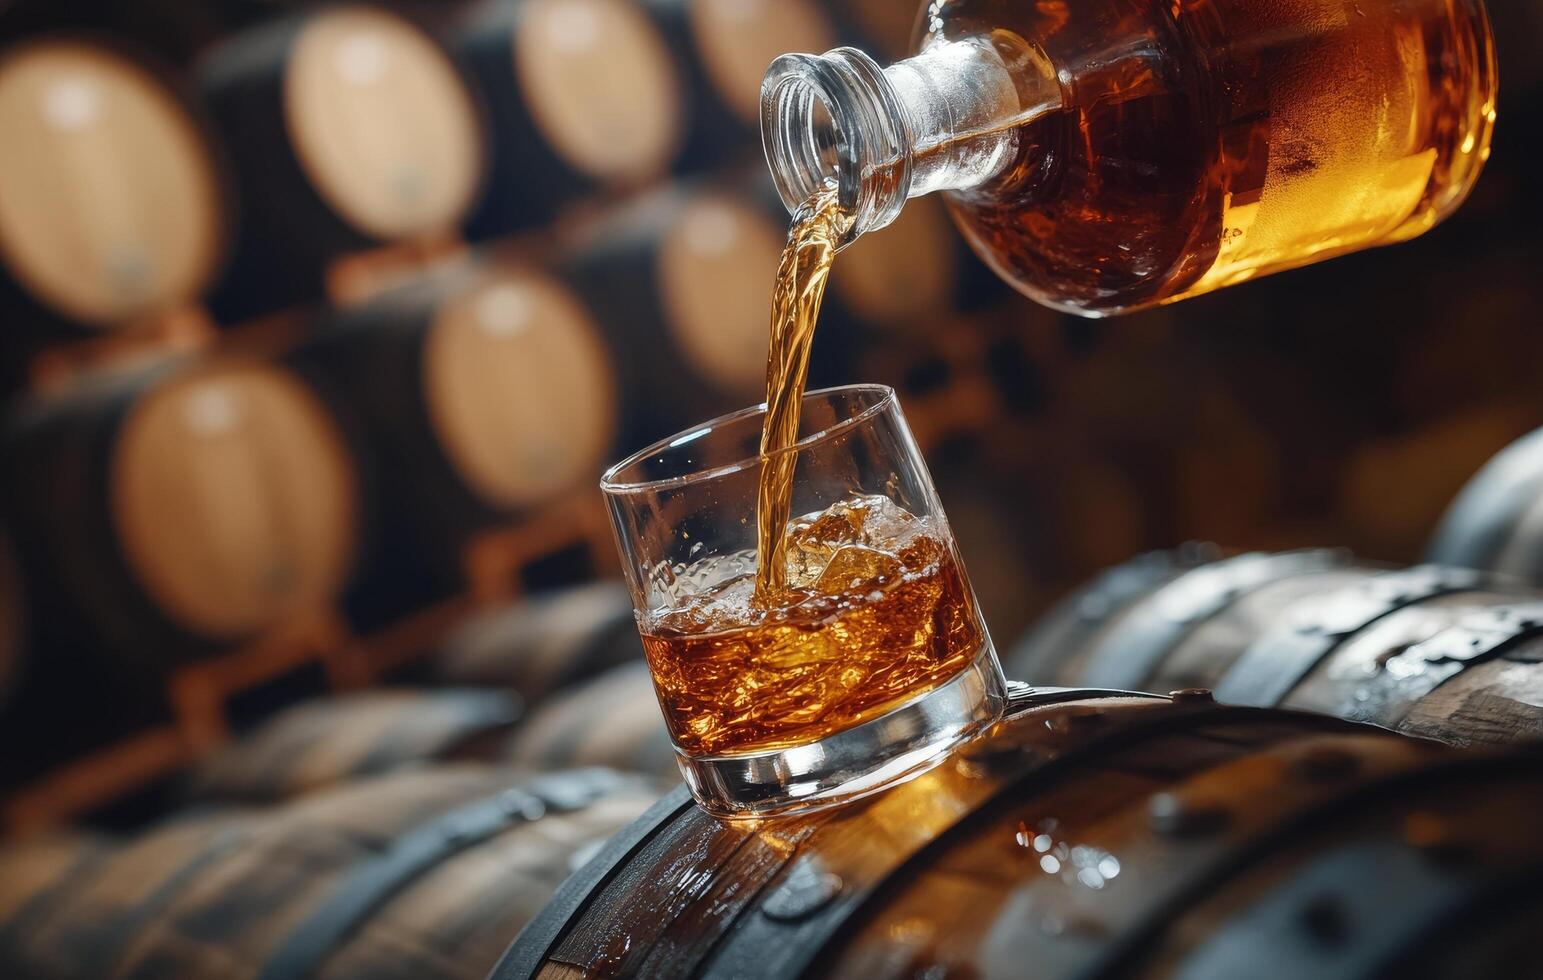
(328, 741)
(78, 927)
(1062, 638)
(1083, 920)
(1079, 839)
(1381, 672)
(858, 845)
(422, 874)
(1360, 896)
(543, 644)
(1310, 630)
(633, 738)
(1213, 646)
(476, 901)
(1495, 703)
(1143, 638)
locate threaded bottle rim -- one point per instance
(836, 118)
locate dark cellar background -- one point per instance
(1341, 404)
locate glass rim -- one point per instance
(611, 485)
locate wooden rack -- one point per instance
(491, 562)
(361, 276)
(200, 694)
(180, 331)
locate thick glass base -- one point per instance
(872, 756)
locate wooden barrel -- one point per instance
(422, 875)
(86, 895)
(723, 47)
(612, 721)
(914, 273)
(111, 208)
(1089, 835)
(348, 128)
(1496, 523)
(1447, 653)
(35, 866)
(582, 95)
(328, 741)
(187, 506)
(543, 644)
(681, 283)
(482, 392)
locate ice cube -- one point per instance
(884, 523)
(868, 520)
(855, 567)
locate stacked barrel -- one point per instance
(324, 317)
(321, 321)
(405, 833)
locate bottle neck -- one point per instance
(949, 118)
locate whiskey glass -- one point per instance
(866, 669)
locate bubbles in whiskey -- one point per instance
(875, 610)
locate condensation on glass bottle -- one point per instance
(1105, 156)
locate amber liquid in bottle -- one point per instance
(1150, 151)
(1231, 139)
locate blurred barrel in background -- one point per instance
(613, 720)
(94, 883)
(180, 507)
(1496, 523)
(483, 392)
(112, 210)
(1444, 653)
(541, 645)
(1099, 836)
(913, 274)
(348, 128)
(420, 875)
(1067, 639)
(581, 95)
(34, 868)
(328, 741)
(680, 281)
(723, 47)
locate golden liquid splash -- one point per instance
(818, 229)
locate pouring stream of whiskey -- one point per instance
(819, 227)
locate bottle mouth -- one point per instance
(835, 119)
